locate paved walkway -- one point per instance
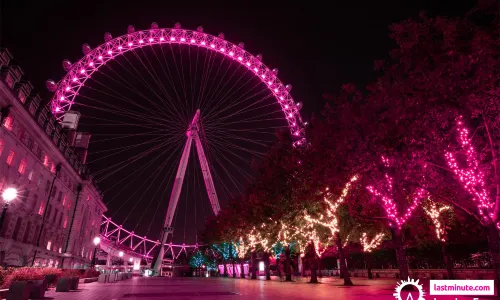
(143, 288)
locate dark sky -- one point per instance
(316, 47)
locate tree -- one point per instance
(472, 177)
(227, 252)
(197, 260)
(368, 246)
(435, 212)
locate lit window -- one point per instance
(46, 160)
(22, 166)
(30, 175)
(1, 146)
(64, 199)
(65, 221)
(10, 157)
(60, 251)
(48, 245)
(42, 208)
(69, 204)
(53, 168)
(8, 123)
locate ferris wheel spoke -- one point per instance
(143, 82)
(225, 143)
(171, 81)
(122, 164)
(236, 184)
(144, 192)
(120, 112)
(124, 148)
(154, 76)
(122, 97)
(142, 168)
(226, 82)
(210, 91)
(179, 75)
(169, 98)
(206, 76)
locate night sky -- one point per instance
(316, 49)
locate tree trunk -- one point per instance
(447, 261)
(404, 273)
(254, 265)
(320, 274)
(266, 264)
(343, 266)
(288, 269)
(242, 274)
(234, 270)
(313, 266)
(368, 261)
(225, 268)
(278, 267)
(494, 250)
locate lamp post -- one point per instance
(97, 240)
(58, 169)
(8, 195)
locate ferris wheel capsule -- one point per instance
(288, 87)
(241, 45)
(130, 29)
(177, 25)
(108, 37)
(299, 105)
(154, 25)
(221, 35)
(259, 57)
(51, 85)
(86, 49)
(199, 29)
(66, 65)
(275, 71)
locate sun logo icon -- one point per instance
(403, 283)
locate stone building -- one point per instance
(58, 206)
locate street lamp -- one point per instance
(120, 254)
(8, 195)
(97, 240)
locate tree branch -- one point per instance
(495, 170)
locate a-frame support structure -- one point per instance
(192, 134)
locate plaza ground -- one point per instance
(227, 288)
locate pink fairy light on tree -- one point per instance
(472, 177)
(395, 218)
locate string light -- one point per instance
(434, 212)
(472, 177)
(368, 246)
(388, 203)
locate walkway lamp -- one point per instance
(97, 240)
(8, 195)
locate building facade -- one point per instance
(58, 207)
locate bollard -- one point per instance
(63, 284)
(38, 289)
(19, 290)
(103, 278)
(73, 283)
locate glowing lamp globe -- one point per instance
(97, 240)
(9, 194)
(120, 254)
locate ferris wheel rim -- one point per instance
(68, 87)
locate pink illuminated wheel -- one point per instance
(137, 94)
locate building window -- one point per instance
(46, 160)
(55, 216)
(7, 123)
(22, 167)
(59, 197)
(69, 204)
(10, 157)
(60, 219)
(1, 146)
(27, 232)
(2, 182)
(29, 143)
(47, 186)
(42, 208)
(30, 175)
(20, 134)
(35, 200)
(26, 194)
(54, 192)
(49, 211)
(65, 221)
(64, 199)
(48, 245)
(53, 168)
(16, 228)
